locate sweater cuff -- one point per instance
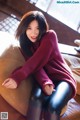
(16, 79)
(17, 75)
(47, 83)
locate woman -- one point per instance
(54, 84)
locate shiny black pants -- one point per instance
(49, 107)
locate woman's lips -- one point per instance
(34, 38)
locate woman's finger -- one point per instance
(9, 83)
(5, 82)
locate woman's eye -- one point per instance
(38, 28)
(29, 28)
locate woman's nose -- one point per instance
(34, 32)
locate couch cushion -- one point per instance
(10, 59)
(74, 64)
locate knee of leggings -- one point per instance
(54, 108)
(36, 95)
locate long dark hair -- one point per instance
(21, 30)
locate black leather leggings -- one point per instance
(49, 107)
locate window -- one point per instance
(66, 11)
(43, 4)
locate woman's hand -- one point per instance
(10, 83)
(48, 89)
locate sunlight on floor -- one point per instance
(6, 39)
(8, 27)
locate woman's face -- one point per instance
(32, 31)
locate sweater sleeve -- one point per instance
(42, 78)
(38, 60)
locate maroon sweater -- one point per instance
(47, 63)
